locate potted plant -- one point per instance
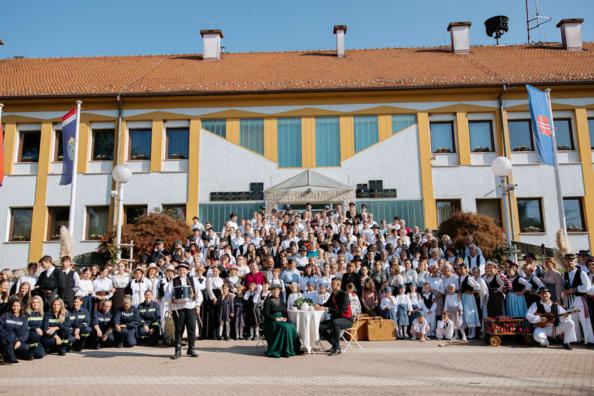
(303, 303)
(521, 148)
(443, 150)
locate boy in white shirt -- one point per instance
(445, 327)
(420, 328)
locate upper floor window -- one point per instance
(20, 224)
(366, 132)
(520, 135)
(103, 144)
(530, 212)
(289, 142)
(442, 137)
(481, 136)
(251, 134)
(140, 143)
(564, 134)
(327, 141)
(58, 147)
(402, 121)
(133, 212)
(574, 214)
(29, 142)
(177, 143)
(97, 222)
(218, 127)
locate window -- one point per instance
(97, 222)
(251, 134)
(177, 143)
(218, 127)
(574, 214)
(366, 132)
(103, 144)
(289, 142)
(133, 212)
(20, 224)
(442, 137)
(445, 208)
(520, 135)
(402, 121)
(29, 146)
(530, 212)
(140, 144)
(591, 129)
(327, 141)
(481, 136)
(176, 211)
(59, 152)
(58, 217)
(491, 208)
(563, 134)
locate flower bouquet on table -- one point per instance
(304, 304)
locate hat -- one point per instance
(584, 253)
(183, 264)
(351, 204)
(303, 249)
(152, 265)
(570, 256)
(529, 255)
(511, 263)
(375, 226)
(170, 267)
(544, 289)
(159, 240)
(274, 286)
(139, 268)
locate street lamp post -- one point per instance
(502, 168)
(121, 175)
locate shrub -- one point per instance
(487, 235)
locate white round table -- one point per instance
(308, 326)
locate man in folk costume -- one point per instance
(50, 283)
(559, 324)
(576, 285)
(185, 299)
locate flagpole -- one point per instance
(556, 167)
(74, 173)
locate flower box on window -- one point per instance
(563, 147)
(574, 228)
(521, 148)
(481, 150)
(19, 238)
(95, 237)
(136, 156)
(532, 229)
(60, 157)
(443, 150)
(101, 157)
(177, 156)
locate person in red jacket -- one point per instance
(341, 317)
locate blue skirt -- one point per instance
(470, 314)
(403, 315)
(515, 305)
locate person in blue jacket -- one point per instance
(149, 311)
(103, 325)
(57, 328)
(126, 323)
(81, 324)
(13, 333)
(35, 327)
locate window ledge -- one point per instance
(52, 241)
(16, 242)
(533, 233)
(578, 232)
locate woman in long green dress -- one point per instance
(281, 335)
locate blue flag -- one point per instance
(542, 125)
(68, 146)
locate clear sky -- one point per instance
(42, 28)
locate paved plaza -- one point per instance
(239, 368)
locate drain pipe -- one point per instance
(120, 135)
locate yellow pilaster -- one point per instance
(308, 142)
(463, 136)
(233, 130)
(585, 153)
(429, 208)
(384, 124)
(39, 220)
(270, 139)
(122, 143)
(83, 147)
(514, 202)
(10, 132)
(193, 170)
(157, 146)
(347, 137)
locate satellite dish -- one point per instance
(496, 26)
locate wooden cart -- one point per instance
(495, 328)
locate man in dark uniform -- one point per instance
(149, 330)
(159, 251)
(185, 300)
(339, 308)
(103, 325)
(126, 321)
(50, 282)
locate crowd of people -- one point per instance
(239, 283)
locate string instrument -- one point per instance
(550, 317)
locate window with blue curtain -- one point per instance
(402, 121)
(251, 134)
(442, 137)
(520, 135)
(140, 144)
(289, 142)
(563, 134)
(177, 143)
(366, 132)
(218, 127)
(481, 136)
(327, 141)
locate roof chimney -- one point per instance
(211, 43)
(340, 31)
(460, 36)
(571, 33)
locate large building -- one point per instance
(408, 131)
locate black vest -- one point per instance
(427, 301)
(516, 285)
(577, 281)
(465, 287)
(554, 310)
(68, 293)
(493, 284)
(50, 283)
(189, 281)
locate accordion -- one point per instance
(182, 293)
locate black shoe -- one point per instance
(27, 358)
(97, 347)
(299, 352)
(568, 347)
(226, 338)
(120, 344)
(77, 349)
(192, 353)
(219, 338)
(61, 353)
(177, 354)
(335, 352)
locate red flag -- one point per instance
(1, 155)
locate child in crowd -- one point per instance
(311, 292)
(453, 306)
(252, 302)
(415, 301)
(294, 296)
(428, 307)
(276, 280)
(419, 328)
(354, 299)
(404, 310)
(445, 327)
(238, 308)
(226, 312)
(85, 289)
(322, 296)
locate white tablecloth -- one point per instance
(308, 326)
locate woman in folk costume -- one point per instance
(468, 285)
(497, 286)
(481, 295)
(120, 280)
(453, 306)
(137, 287)
(214, 291)
(515, 302)
(429, 307)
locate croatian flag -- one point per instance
(68, 146)
(542, 125)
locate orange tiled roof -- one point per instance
(389, 68)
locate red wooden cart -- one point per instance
(495, 328)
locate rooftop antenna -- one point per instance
(536, 21)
